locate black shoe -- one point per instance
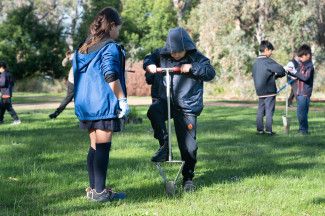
(54, 115)
(189, 186)
(303, 133)
(161, 155)
(270, 133)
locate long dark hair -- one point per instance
(100, 27)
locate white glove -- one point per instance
(293, 71)
(124, 108)
(291, 68)
(286, 68)
(152, 68)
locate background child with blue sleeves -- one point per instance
(6, 87)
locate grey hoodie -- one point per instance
(186, 89)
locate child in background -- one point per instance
(66, 62)
(6, 86)
(293, 65)
(303, 87)
(265, 72)
(100, 96)
(186, 97)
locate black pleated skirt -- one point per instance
(104, 124)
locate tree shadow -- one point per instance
(229, 151)
(319, 201)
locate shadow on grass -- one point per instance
(50, 163)
(319, 201)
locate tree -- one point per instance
(90, 8)
(29, 46)
(146, 25)
(230, 31)
(183, 8)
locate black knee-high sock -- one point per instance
(100, 165)
(90, 167)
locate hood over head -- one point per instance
(178, 40)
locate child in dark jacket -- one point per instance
(100, 96)
(6, 86)
(66, 62)
(292, 65)
(265, 72)
(186, 97)
(303, 86)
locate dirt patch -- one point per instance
(146, 101)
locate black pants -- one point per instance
(68, 98)
(185, 127)
(7, 105)
(266, 107)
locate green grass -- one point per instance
(28, 97)
(43, 169)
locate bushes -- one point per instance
(41, 84)
(29, 46)
(136, 83)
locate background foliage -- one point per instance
(35, 33)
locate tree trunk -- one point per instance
(262, 18)
(320, 22)
(181, 6)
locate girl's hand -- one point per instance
(152, 68)
(185, 68)
(124, 108)
(5, 96)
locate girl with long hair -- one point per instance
(100, 96)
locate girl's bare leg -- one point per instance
(103, 136)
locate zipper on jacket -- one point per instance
(301, 83)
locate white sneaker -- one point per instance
(16, 122)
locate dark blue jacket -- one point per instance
(6, 83)
(305, 79)
(94, 99)
(265, 72)
(155, 80)
(186, 89)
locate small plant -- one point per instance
(133, 117)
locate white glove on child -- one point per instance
(290, 67)
(124, 108)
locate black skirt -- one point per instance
(104, 124)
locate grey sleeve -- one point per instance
(276, 68)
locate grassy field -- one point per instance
(43, 170)
(32, 98)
